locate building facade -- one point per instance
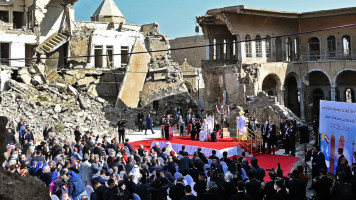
(300, 58)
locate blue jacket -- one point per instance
(75, 184)
(148, 122)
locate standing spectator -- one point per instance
(269, 190)
(318, 162)
(322, 185)
(149, 124)
(76, 188)
(252, 126)
(77, 134)
(292, 131)
(158, 187)
(271, 137)
(121, 130)
(297, 187)
(45, 132)
(240, 195)
(177, 192)
(10, 137)
(200, 185)
(264, 132)
(253, 186)
(85, 167)
(281, 193)
(140, 118)
(182, 152)
(259, 173)
(184, 164)
(340, 151)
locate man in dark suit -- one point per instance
(297, 188)
(292, 132)
(182, 152)
(46, 131)
(128, 145)
(340, 151)
(269, 190)
(318, 162)
(201, 156)
(184, 164)
(177, 192)
(271, 137)
(281, 193)
(77, 134)
(188, 193)
(140, 118)
(240, 195)
(322, 185)
(264, 131)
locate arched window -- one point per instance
(234, 57)
(224, 51)
(268, 46)
(346, 46)
(248, 47)
(331, 46)
(258, 46)
(296, 47)
(214, 45)
(289, 49)
(314, 48)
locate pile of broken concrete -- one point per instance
(59, 105)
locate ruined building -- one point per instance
(72, 65)
(262, 61)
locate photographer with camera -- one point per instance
(121, 130)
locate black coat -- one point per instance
(282, 195)
(200, 188)
(297, 189)
(212, 194)
(177, 192)
(322, 187)
(240, 196)
(272, 134)
(269, 191)
(253, 188)
(10, 138)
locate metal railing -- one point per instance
(249, 140)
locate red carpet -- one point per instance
(222, 144)
(266, 161)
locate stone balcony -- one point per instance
(6, 2)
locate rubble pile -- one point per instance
(59, 105)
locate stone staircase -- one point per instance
(52, 76)
(53, 43)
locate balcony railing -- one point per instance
(6, 2)
(328, 56)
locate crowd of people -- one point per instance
(117, 171)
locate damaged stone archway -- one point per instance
(345, 85)
(271, 84)
(319, 88)
(292, 96)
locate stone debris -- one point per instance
(61, 108)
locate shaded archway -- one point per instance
(317, 95)
(318, 89)
(271, 85)
(292, 97)
(189, 87)
(345, 82)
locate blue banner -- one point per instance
(337, 130)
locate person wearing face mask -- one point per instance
(281, 193)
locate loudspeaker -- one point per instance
(304, 134)
(155, 105)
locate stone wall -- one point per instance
(193, 56)
(134, 80)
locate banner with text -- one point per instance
(337, 130)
